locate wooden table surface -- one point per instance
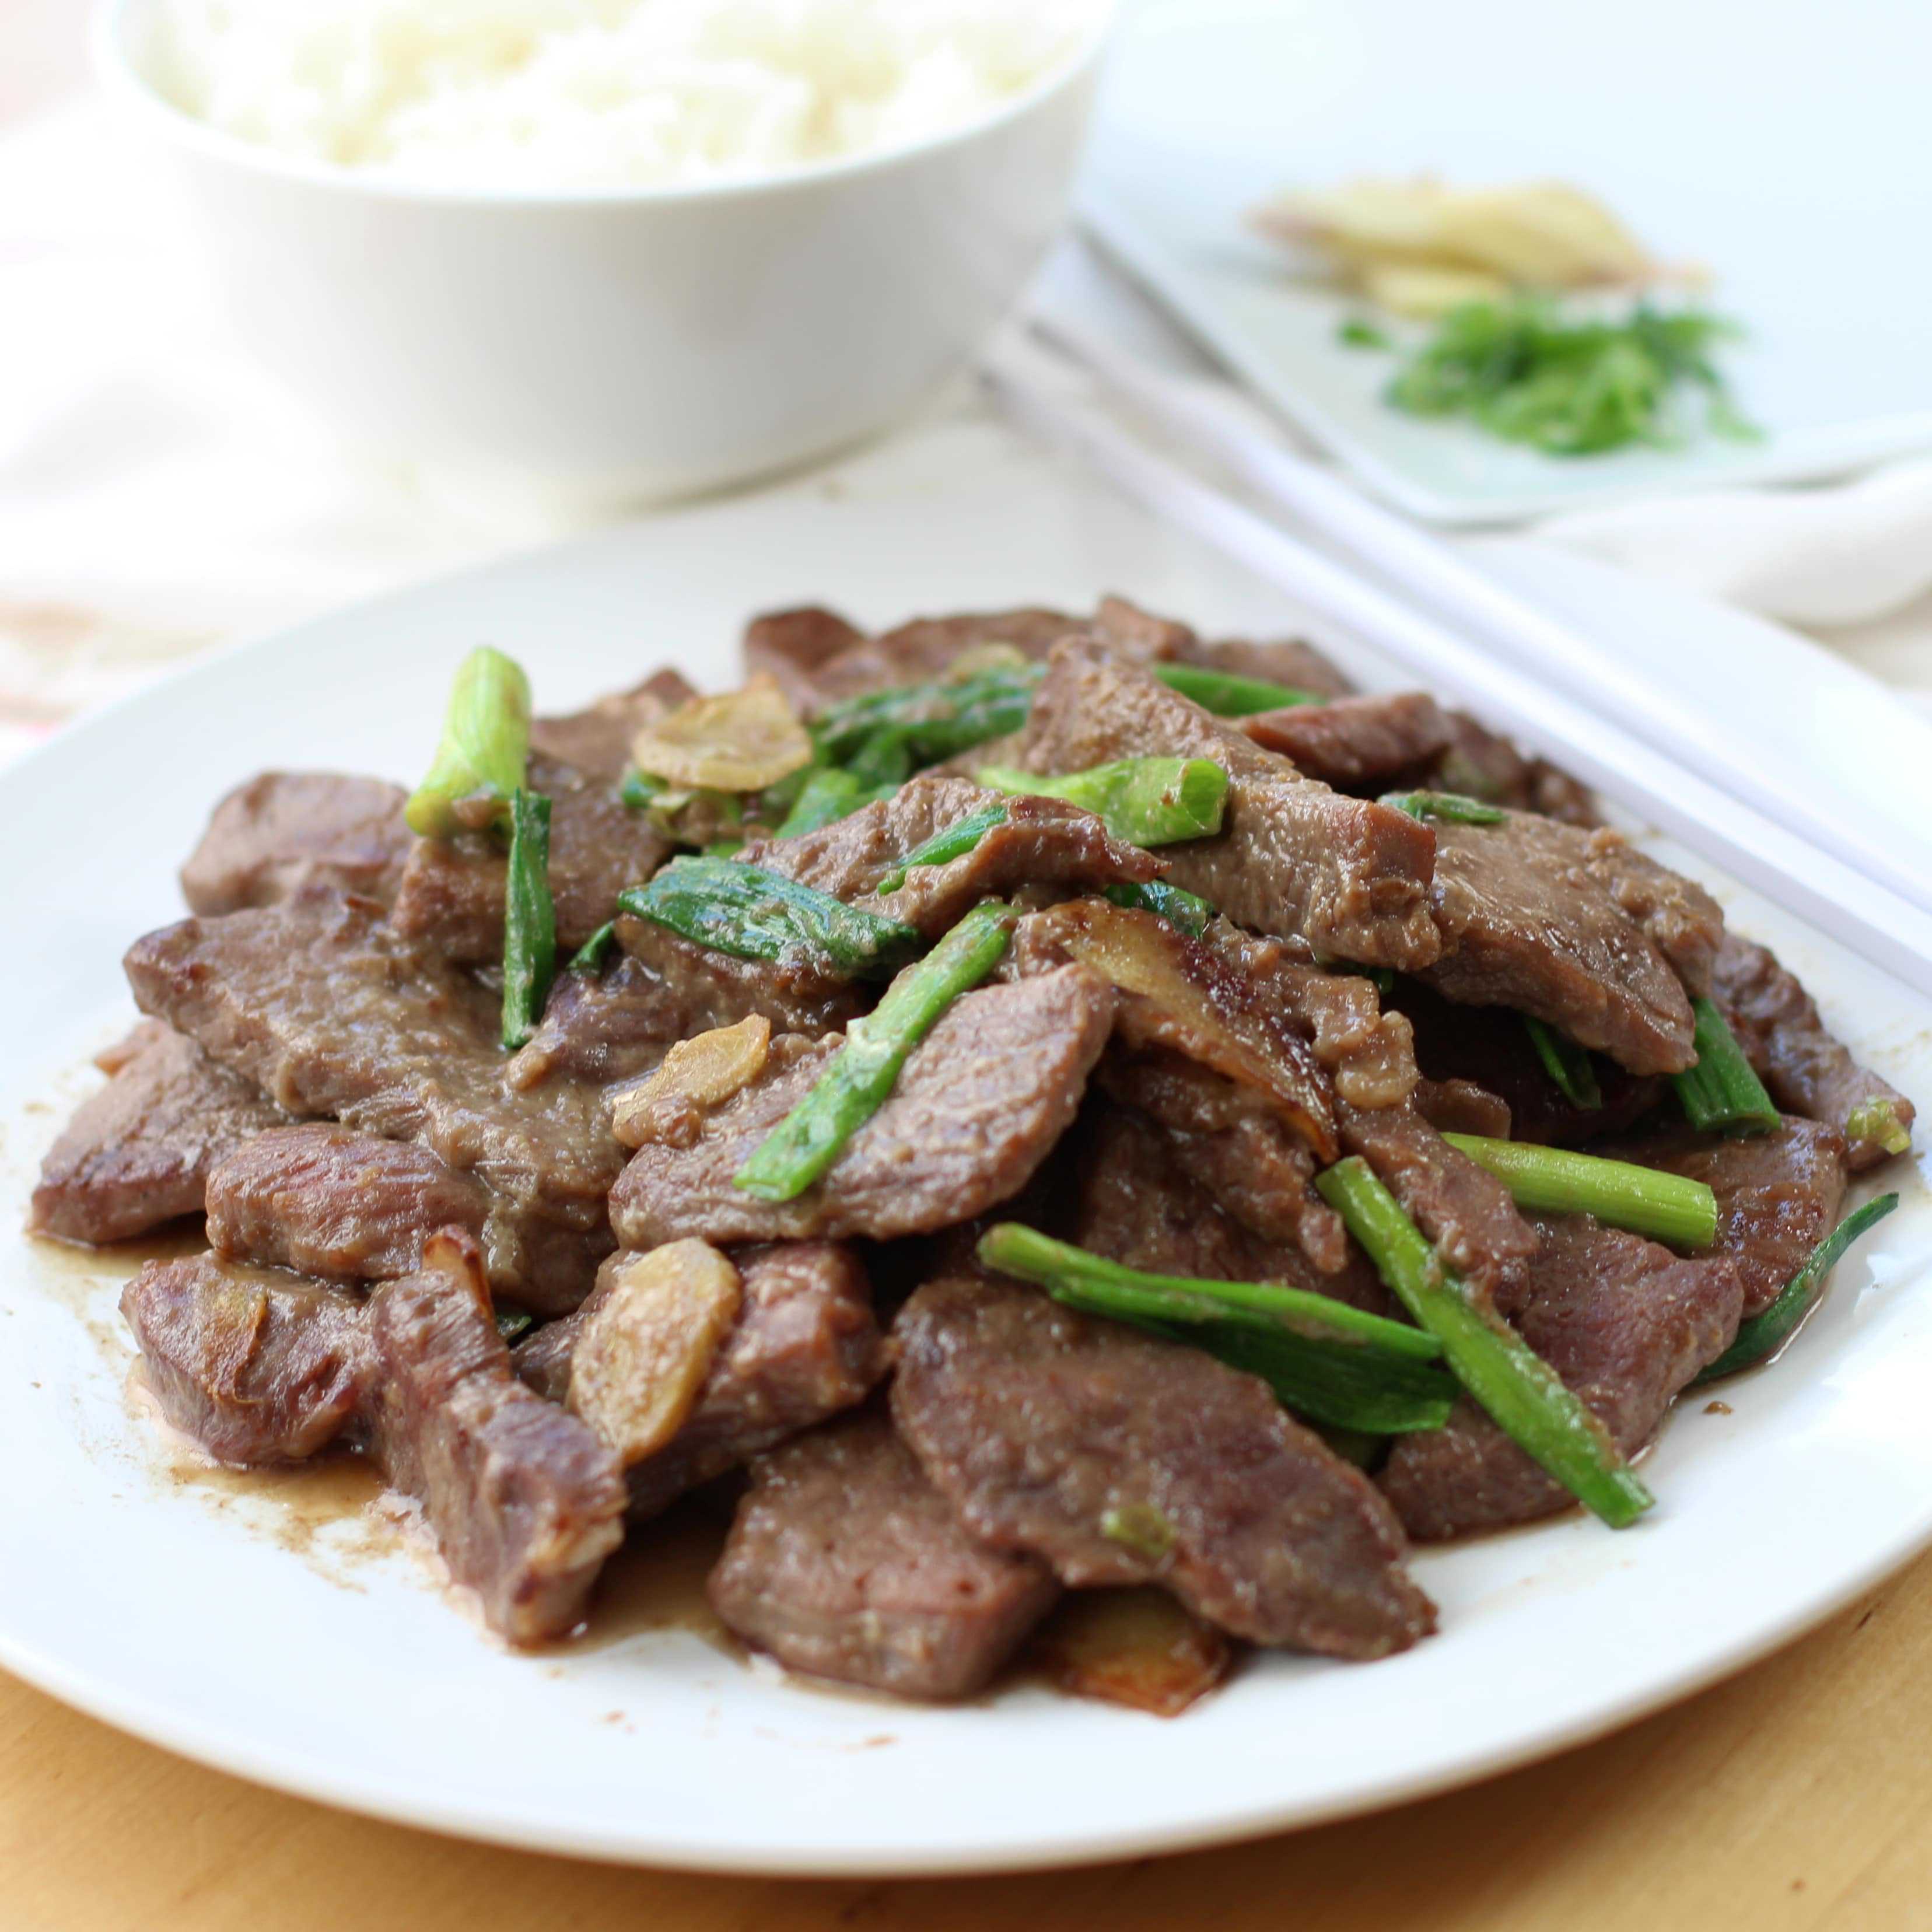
(1796, 1795)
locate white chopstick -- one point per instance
(1421, 564)
(1787, 868)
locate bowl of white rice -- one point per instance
(650, 246)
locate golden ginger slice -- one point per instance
(698, 1073)
(1416, 288)
(743, 741)
(648, 1344)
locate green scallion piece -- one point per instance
(639, 790)
(1147, 801)
(1761, 1337)
(1451, 808)
(1875, 1122)
(861, 1074)
(484, 747)
(1526, 1396)
(1559, 1180)
(1185, 911)
(1720, 1093)
(828, 795)
(530, 918)
(943, 847)
(1570, 1069)
(889, 734)
(1228, 695)
(590, 956)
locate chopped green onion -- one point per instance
(530, 918)
(1323, 1358)
(1875, 1122)
(1720, 1093)
(484, 747)
(1184, 911)
(639, 790)
(1452, 807)
(590, 956)
(754, 914)
(1228, 695)
(1570, 1069)
(955, 842)
(512, 1322)
(827, 796)
(1356, 333)
(1145, 801)
(1766, 1332)
(862, 1073)
(722, 848)
(893, 732)
(1559, 1180)
(1524, 1396)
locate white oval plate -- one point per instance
(179, 1610)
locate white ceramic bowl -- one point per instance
(656, 340)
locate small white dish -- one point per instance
(649, 342)
(181, 1612)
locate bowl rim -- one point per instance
(121, 75)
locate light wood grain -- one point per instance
(1795, 1797)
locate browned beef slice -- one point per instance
(452, 895)
(1043, 843)
(845, 1562)
(805, 1346)
(1530, 918)
(138, 1152)
(975, 1109)
(1479, 764)
(1624, 1322)
(1121, 1458)
(618, 1024)
(1141, 635)
(791, 645)
(284, 830)
(256, 1366)
(324, 1200)
(1462, 1107)
(1355, 741)
(1778, 1194)
(821, 668)
(525, 1503)
(1137, 1204)
(1806, 1068)
(1349, 876)
(596, 741)
(320, 1003)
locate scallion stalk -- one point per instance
(484, 747)
(1147, 801)
(1559, 1180)
(530, 918)
(1570, 1069)
(1721, 1093)
(1228, 695)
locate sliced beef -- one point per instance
(323, 1006)
(806, 1345)
(976, 1108)
(1137, 1202)
(1778, 1194)
(1462, 1107)
(139, 1152)
(845, 1562)
(1807, 1069)
(821, 659)
(1624, 1322)
(1558, 923)
(1349, 876)
(1355, 743)
(617, 1024)
(1479, 764)
(791, 646)
(1044, 844)
(452, 890)
(524, 1502)
(1121, 1458)
(1145, 638)
(257, 1367)
(284, 830)
(596, 741)
(325, 1200)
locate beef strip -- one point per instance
(452, 890)
(524, 1502)
(1574, 928)
(1778, 1194)
(596, 741)
(1355, 743)
(805, 1346)
(1625, 1323)
(257, 1366)
(1044, 843)
(1807, 1069)
(1137, 1203)
(1141, 635)
(1122, 1458)
(791, 646)
(1462, 1107)
(325, 1200)
(976, 1109)
(321, 1004)
(1479, 764)
(845, 1562)
(620, 1024)
(1349, 876)
(284, 830)
(821, 659)
(139, 1152)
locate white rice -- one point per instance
(566, 94)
